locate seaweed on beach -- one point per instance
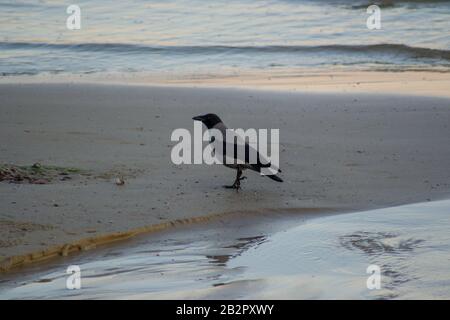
(36, 173)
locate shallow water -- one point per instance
(191, 37)
(325, 257)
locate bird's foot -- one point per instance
(236, 185)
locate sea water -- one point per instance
(329, 257)
(221, 37)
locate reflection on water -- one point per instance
(383, 249)
(378, 243)
(325, 257)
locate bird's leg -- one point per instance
(237, 183)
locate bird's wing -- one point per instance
(230, 153)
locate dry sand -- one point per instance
(409, 83)
(338, 151)
(419, 83)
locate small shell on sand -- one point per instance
(120, 181)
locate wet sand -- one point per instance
(423, 83)
(410, 83)
(339, 152)
(275, 258)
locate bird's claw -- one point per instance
(236, 186)
(237, 183)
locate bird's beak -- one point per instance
(198, 118)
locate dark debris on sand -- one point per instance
(35, 174)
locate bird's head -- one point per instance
(209, 120)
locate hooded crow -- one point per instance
(212, 121)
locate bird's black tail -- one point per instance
(274, 177)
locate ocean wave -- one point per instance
(396, 49)
(359, 4)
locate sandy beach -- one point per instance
(93, 205)
(339, 153)
(416, 83)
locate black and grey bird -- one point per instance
(212, 121)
